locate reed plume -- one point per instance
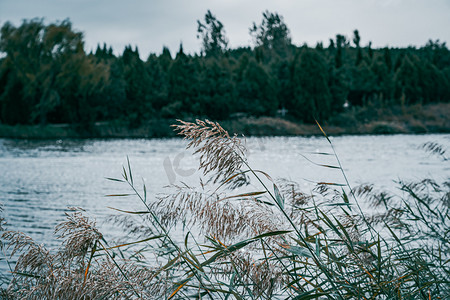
(219, 152)
(72, 272)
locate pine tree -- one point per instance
(356, 41)
(341, 42)
(182, 93)
(272, 34)
(407, 81)
(255, 89)
(139, 106)
(212, 34)
(311, 95)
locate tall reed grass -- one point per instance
(247, 236)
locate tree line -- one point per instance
(46, 76)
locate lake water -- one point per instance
(40, 179)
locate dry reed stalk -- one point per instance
(70, 274)
(220, 153)
(227, 219)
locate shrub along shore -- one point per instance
(433, 118)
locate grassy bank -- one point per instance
(433, 118)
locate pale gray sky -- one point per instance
(153, 23)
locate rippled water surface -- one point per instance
(40, 179)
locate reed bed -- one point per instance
(247, 236)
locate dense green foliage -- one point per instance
(46, 76)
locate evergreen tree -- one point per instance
(407, 81)
(341, 42)
(338, 86)
(139, 106)
(387, 58)
(212, 34)
(356, 41)
(363, 85)
(432, 82)
(282, 83)
(255, 91)
(114, 93)
(272, 33)
(370, 51)
(331, 45)
(158, 81)
(319, 46)
(183, 75)
(383, 79)
(165, 59)
(437, 53)
(216, 89)
(311, 95)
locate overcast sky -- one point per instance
(152, 24)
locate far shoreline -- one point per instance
(411, 120)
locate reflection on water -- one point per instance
(40, 179)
